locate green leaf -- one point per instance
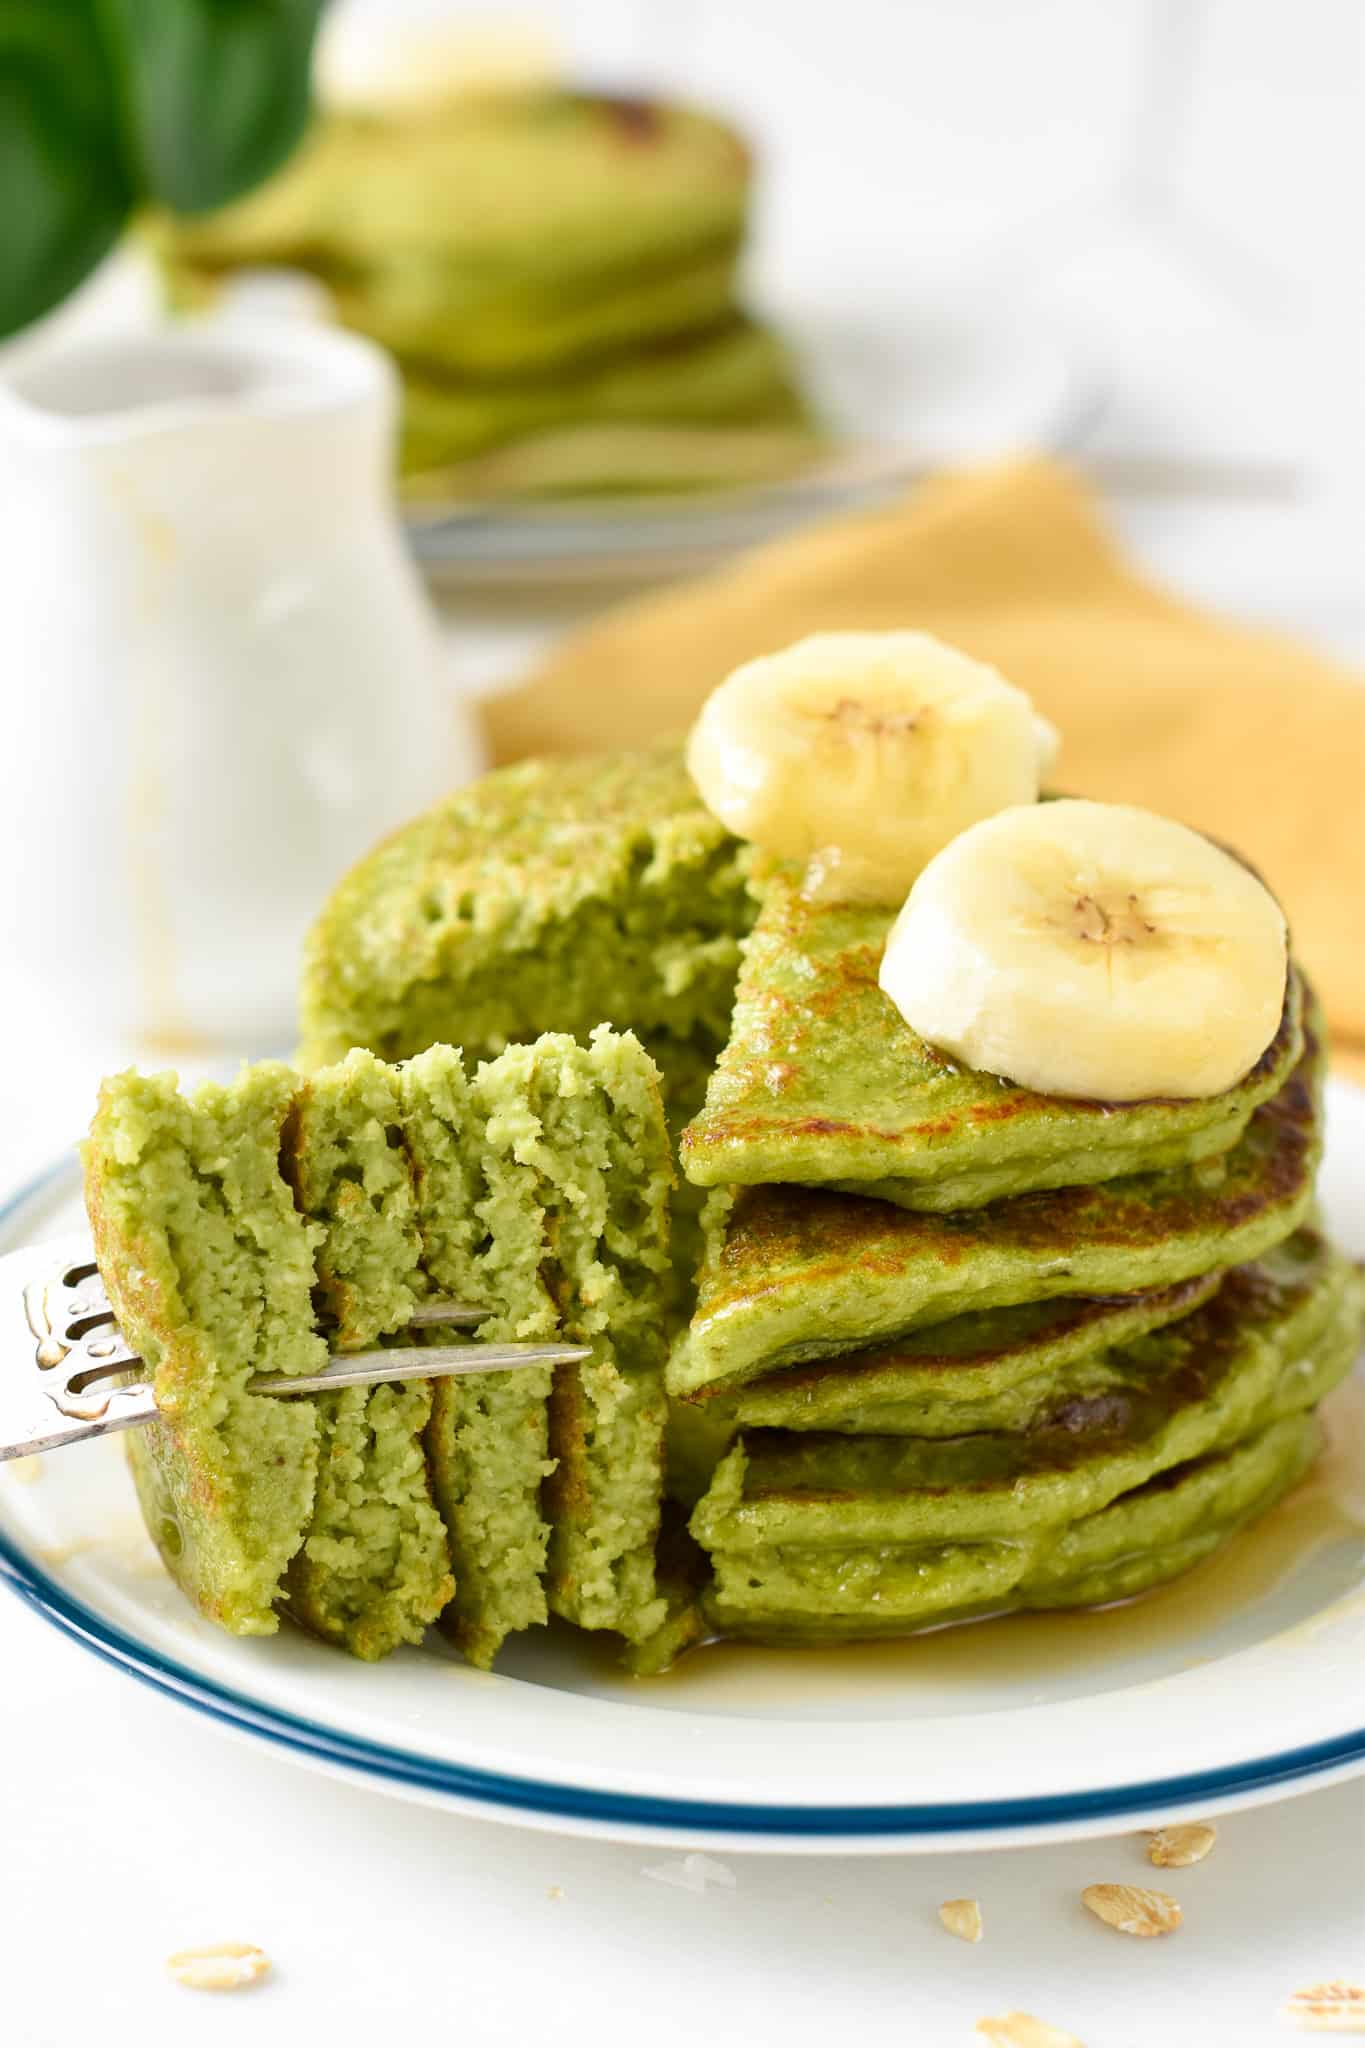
(214, 93)
(64, 191)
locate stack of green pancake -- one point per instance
(973, 1348)
(955, 1347)
(250, 1230)
(555, 272)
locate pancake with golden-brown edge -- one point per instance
(793, 1273)
(1275, 1338)
(1141, 1540)
(992, 1370)
(822, 1082)
(209, 1268)
(867, 1529)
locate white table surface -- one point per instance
(132, 1829)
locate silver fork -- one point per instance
(64, 1360)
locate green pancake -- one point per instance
(604, 1497)
(683, 1574)
(995, 1370)
(374, 1568)
(1175, 1520)
(733, 372)
(538, 261)
(497, 233)
(1275, 1338)
(344, 1157)
(543, 1186)
(209, 1268)
(615, 458)
(799, 1273)
(823, 1538)
(484, 1243)
(698, 1438)
(991, 1370)
(548, 341)
(1142, 1540)
(595, 1137)
(824, 1083)
(552, 895)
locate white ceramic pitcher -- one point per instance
(220, 680)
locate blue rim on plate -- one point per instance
(408, 1768)
(509, 1796)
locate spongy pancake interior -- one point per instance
(374, 1567)
(550, 896)
(209, 1268)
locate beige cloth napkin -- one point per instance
(1257, 740)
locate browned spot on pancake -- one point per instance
(828, 1000)
(1001, 1112)
(566, 1494)
(1109, 1414)
(634, 120)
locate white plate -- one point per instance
(1243, 1683)
(905, 388)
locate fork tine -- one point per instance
(372, 1368)
(93, 1304)
(79, 1348)
(428, 1314)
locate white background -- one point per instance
(1182, 184)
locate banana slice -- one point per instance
(1091, 950)
(864, 753)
